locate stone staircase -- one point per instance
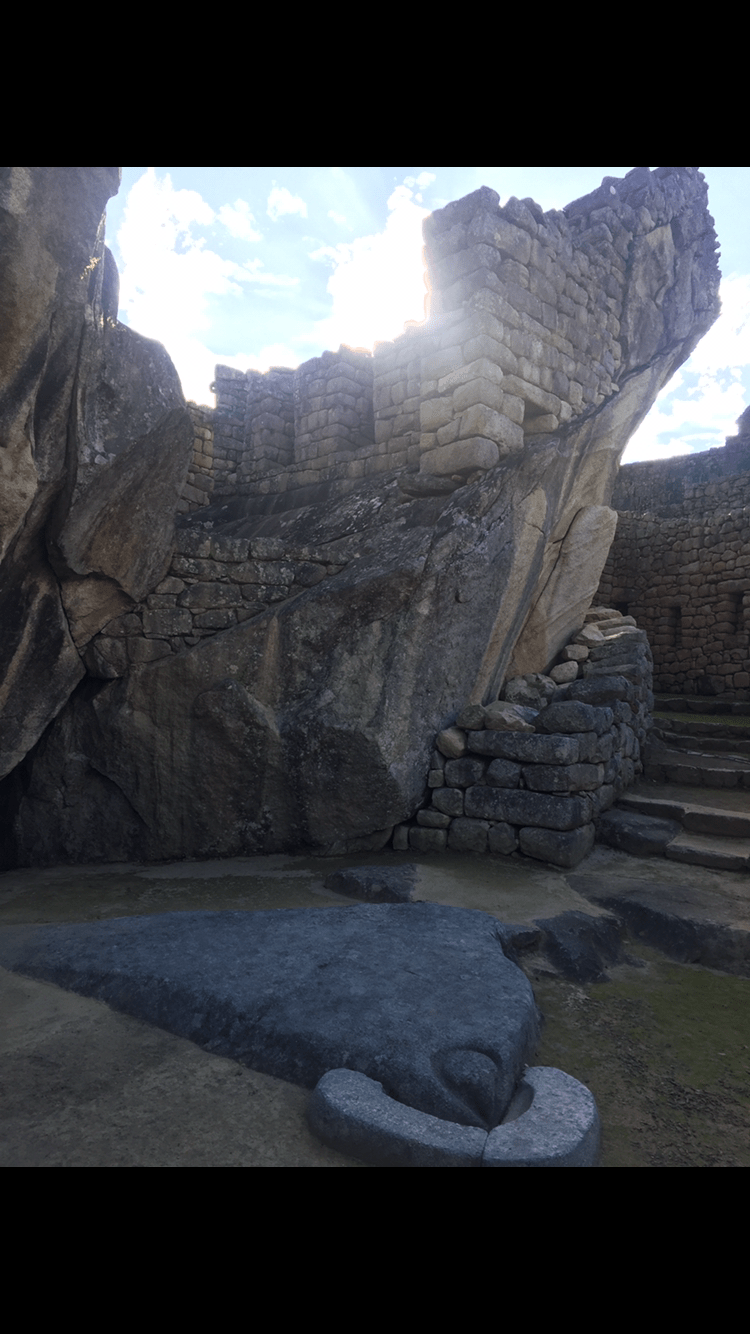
(693, 803)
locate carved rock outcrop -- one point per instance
(283, 685)
(94, 444)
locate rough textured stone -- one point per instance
(560, 1127)
(502, 839)
(536, 749)
(416, 996)
(95, 443)
(533, 691)
(559, 848)
(462, 773)
(375, 884)
(310, 723)
(501, 717)
(554, 1123)
(574, 717)
(468, 835)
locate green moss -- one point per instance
(665, 1049)
(742, 723)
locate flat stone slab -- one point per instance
(375, 884)
(704, 922)
(640, 835)
(418, 997)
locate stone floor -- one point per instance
(85, 1086)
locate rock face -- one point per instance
(94, 444)
(282, 687)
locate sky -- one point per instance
(269, 266)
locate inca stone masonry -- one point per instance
(245, 629)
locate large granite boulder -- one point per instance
(94, 444)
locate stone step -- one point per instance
(724, 741)
(667, 764)
(647, 836)
(695, 818)
(702, 705)
(722, 854)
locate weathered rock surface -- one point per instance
(94, 444)
(310, 720)
(419, 997)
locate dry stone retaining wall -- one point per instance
(535, 779)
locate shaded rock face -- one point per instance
(94, 443)
(308, 722)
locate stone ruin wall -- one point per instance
(541, 790)
(214, 582)
(533, 319)
(680, 564)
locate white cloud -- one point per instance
(238, 219)
(420, 182)
(337, 217)
(281, 201)
(699, 407)
(377, 282)
(169, 276)
(254, 272)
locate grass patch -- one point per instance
(716, 719)
(665, 1049)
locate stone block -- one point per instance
(447, 434)
(462, 456)
(401, 838)
(572, 717)
(559, 848)
(563, 778)
(503, 717)
(468, 835)
(502, 839)
(484, 346)
(452, 743)
(436, 412)
(207, 597)
(484, 392)
(482, 369)
(471, 717)
(528, 808)
(464, 773)
(428, 840)
(504, 773)
(606, 690)
(433, 820)
(491, 229)
(449, 801)
(480, 420)
(163, 624)
(485, 803)
(564, 673)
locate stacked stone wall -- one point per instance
(534, 319)
(681, 566)
(534, 780)
(214, 583)
(199, 486)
